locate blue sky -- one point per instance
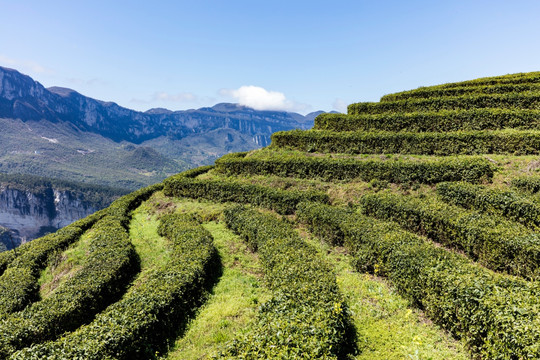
(294, 55)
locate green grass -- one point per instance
(153, 250)
(387, 328)
(63, 265)
(233, 303)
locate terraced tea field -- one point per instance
(405, 229)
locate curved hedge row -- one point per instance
(330, 169)
(18, 283)
(283, 202)
(433, 121)
(529, 78)
(110, 264)
(427, 92)
(454, 143)
(529, 184)
(497, 244)
(152, 311)
(306, 317)
(496, 315)
(527, 100)
(493, 201)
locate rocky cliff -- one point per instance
(29, 215)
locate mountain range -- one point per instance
(57, 132)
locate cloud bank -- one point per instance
(259, 98)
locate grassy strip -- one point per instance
(511, 79)
(496, 315)
(449, 143)
(330, 169)
(491, 201)
(284, 202)
(387, 327)
(433, 121)
(233, 303)
(497, 244)
(110, 264)
(139, 325)
(529, 100)
(427, 92)
(306, 317)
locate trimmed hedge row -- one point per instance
(307, 317)
(529, 184)
(140, 324)
(496, 315)
(493, 201)
(283, 202)
(427, 92)
(433, 121)
(527, 100)
(454, 143)
(110, 264)
(330, 169)
(496, 243)
(530, 78)
(18, 283)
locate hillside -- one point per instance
(60, 133)
(406, 228)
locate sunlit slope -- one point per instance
(406, 228)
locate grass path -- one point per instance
(387, 328)
(232, 304)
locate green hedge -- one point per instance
(450, 143)
(18, 283)
(529, 184)
(141, 323)
(527, 100)
(492, 201)
(110, 264)
(433, 121)
(307, 317)
(428, 92)
(284, 202)
(496, 315)
(332, 169)
(530, 78)
(496, 243)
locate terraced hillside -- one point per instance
(406, 229)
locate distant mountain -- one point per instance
(25, 99)
(58, 132)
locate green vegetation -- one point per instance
(468, 300)
(233, 303)
(463, 90)
(284, 202)
(492, 201)
(387, 328)
(415, 248)
(473, 169)
(151, 312)
(433, 121)
(528, 100)
(497, 244)
(307, 317)
(448, 143)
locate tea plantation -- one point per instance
(404, 229)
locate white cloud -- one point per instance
(25, 65)
(259, 98)
(340, 105)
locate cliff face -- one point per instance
(31, 214)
